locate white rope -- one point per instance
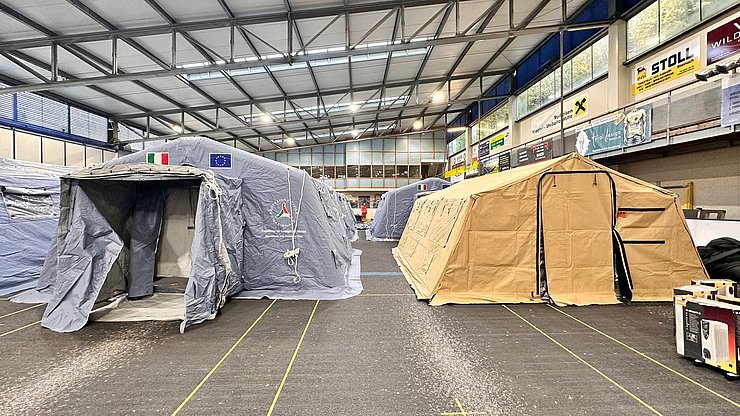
(214, 192)
(291, 256)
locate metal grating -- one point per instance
(85, 124)
(6, 104)
(39, 111)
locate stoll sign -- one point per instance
(723, 42)
(672, 64)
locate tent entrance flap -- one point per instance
(576, 238)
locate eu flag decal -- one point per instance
(220, 160)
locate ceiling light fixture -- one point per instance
(456, 129)
(355, 133)
(438, 97)
(354, 107)
(266, 118)
(177, 129)
(418, 124)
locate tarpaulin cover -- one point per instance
(395, 207)
(29, 211)
(476, 242)
(260, 226)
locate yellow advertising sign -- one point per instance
(460, 170)
(674, 63)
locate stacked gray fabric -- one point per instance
(395, 207)
(261, 229)
(29, 212)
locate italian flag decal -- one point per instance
(158, 158)
(283, 212)
(421, 187)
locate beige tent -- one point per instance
(601, 237)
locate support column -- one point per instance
(514, 133)
(618, 82)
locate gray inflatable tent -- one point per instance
(348, 215)
(29, 212)
(395, 207)
(227, 222)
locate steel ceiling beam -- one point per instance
(387, 66)
(336, 120)
(227, 66)
(294, 132)
(415, 86)
(486, 17)
(309, 95)
(138, 47)
(154, 30)
(523, 24)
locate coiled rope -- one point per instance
(291, 256)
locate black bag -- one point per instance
(721, 258)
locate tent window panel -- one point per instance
(26, 204)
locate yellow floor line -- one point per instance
(586, 363)
(18, 329)
(22, 310)
(221, 361)
(640, 353)
(292, 360)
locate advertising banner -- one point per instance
(472, 169)
(730, 112)
(484, 149)
(495, 164)
(549, 119)
(723, 42)
(672, 64)
(457, 165)
(488, 146)
(504, 161)
(622, 129)
(535, 152)
(490, 165)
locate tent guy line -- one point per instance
(586, 363)
(640, 353)
(221, 361)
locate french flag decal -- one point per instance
(220, 160)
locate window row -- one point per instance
(665, 19)
(364, 171)
(397, 151)
(578, 71)
(457, 144)
(492, 123)
(29, 147)
(368, 183)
